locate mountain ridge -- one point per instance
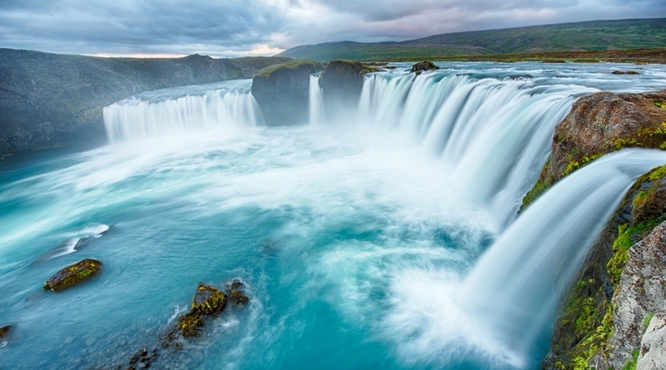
(572, 36)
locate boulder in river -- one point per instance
(236, 293)
(73, 274)
(425, 65)
(208, 300)
(4, 331)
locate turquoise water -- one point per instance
(353, 240)
(321, 228)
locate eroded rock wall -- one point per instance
(600, 323)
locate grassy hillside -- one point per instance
(582, 36)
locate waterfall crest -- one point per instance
(492, 134)
(137, 118)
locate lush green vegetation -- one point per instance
(292, 64)
(524, 41)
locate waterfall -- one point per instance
(137, 118)
(492, 134)
(515, 287)
(316, 101)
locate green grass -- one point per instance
(568, 37)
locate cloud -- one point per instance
(261, 27)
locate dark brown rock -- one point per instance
(425, 65)
(625, 73)
(73, 274)
(4, 331)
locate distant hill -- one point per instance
(580, 36)
(51, 100)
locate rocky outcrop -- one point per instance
(51, 101)
(602, 123)
(653, 344)
(4, 331)
(593, 325)
(207, 304)
(640, 294)
(73, 275)
(341, 83)
(236, 294)
(282, 92)
(208, 301)
(423, 66)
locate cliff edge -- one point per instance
(602, 323)
(51, 101)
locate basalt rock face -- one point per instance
(341, 83)
(600, 323)
(282, 92)
(51, 101)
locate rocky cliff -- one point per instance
(621, 288)
(341, 83)
(282, 91)
(50, 100)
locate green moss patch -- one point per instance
(73, 275)
(269, 71)
(208, 300)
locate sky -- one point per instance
(232, 28)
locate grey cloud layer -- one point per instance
(229, 27)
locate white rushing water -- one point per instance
(135, 118)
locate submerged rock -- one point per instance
(625, 73)
(143, 359)
(282, 92)
(425, 65)
(73, 274)
(236, 294)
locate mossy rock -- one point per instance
(190, 324)
(270, 71)
(599, 124)
(73, 274)
(208, 300)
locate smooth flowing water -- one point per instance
(386, 241)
